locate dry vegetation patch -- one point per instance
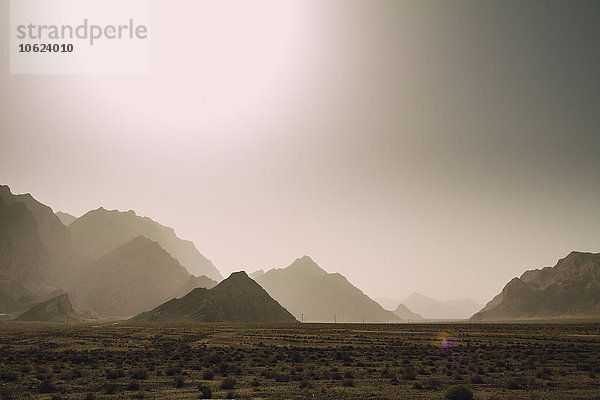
(427, 361)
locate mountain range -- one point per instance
(100, 231)
(569, 289)
(134, 277)
(54, 235)
(120, 264)
(312, 294)
(95, 259)
(431, 308)
(236, 299)
(25, 274)
(65, 218)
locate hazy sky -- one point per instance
(442, 147)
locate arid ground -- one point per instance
(341, 361)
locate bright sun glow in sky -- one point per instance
(436, 147)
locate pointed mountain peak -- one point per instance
(141, 242)
(237, 279)
(307, 264)
(236, 299)
(56, 309)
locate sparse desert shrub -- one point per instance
(304, 384)
(139, 373)
(409, 374)
(90, 396)
(281, 377)
(458, 392)
(133, 386)
(348, 382)
(114, 374)
(9, 376)
(47, 386)
(173, 370)
(230, 395)
(296, 357)
(179, 383)
(196, 366)
(7, 393)
(228, 383)
(110, 388)
(76, 373)
(205, 392)
(431, 383)
(208, 375)
(514, 383)
(223, 367)
(215, 357)
(254, 383)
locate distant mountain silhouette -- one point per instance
(25, 276)
(405, 314)
(53, 233)
(101, 231)
(136, 276)
(431, 308)
(57, 309)
(256, 274)
(110, 272)
(65, 218)
(236, 299)
(305, 288)
(569, 289)
(195, 282)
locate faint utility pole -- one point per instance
(334, 318)
(363, 319)
(302, 315)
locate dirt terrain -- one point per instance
(297, 361)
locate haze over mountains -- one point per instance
(406, 315)
(119, 264)
(569, 289)
(25, 275)
(305, 288)
(135, 277)
(430, 308)
(39, 256)
(236, 299)
(65, 218)
(54, 235)
(100, 231)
